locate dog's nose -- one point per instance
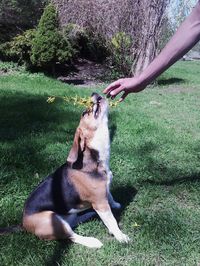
(96, 96)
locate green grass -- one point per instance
(155, 159)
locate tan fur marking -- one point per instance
(102, 206)
(45, 225)
(90, 189)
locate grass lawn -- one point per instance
(155, 159)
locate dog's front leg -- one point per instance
(113, 204)
(109, 220)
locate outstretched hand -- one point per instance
(125, 85)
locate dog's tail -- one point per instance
(10, 229)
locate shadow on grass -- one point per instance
(28, 125)
(57, 256)
(170, 81)
(124, 195)
(112, 126)
(179, 180)
(73, 81)
(157, 171)
(23, 114)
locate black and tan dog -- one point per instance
(81, 183)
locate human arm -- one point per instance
(187, 35)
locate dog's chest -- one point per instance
(101, 143)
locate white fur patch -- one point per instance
(90, 242)
(110, 222)
(101, 143)
(77, 210)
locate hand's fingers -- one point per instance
(116, 91)
(112, 86)
(123, 96)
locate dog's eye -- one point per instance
(99, 99)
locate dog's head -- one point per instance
(91, 120)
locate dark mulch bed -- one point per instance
(84, 73)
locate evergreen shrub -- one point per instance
(49, 46)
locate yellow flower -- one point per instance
(76, 100)
(136, 225)
(51, 99)
(113, 104)
(66, 99)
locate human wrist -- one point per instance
(143, 80)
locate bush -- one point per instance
(10, 67)
(19, 49)
(75, 34)
(86, 43)
(96, 48)
(5, 53)
(49, 46)
(120, 46)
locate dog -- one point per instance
(83, 182)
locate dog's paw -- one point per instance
(92, 242)
(89, 242)
(116, 205)
(123, 238)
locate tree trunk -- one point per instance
(146, 45)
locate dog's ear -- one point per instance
(77, 147)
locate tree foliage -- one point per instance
(21, 11)
(19, 48)
(49, 46)
(18, 15)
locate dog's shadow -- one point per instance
(124, 195)
(60, 249)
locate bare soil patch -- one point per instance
(85, 73)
